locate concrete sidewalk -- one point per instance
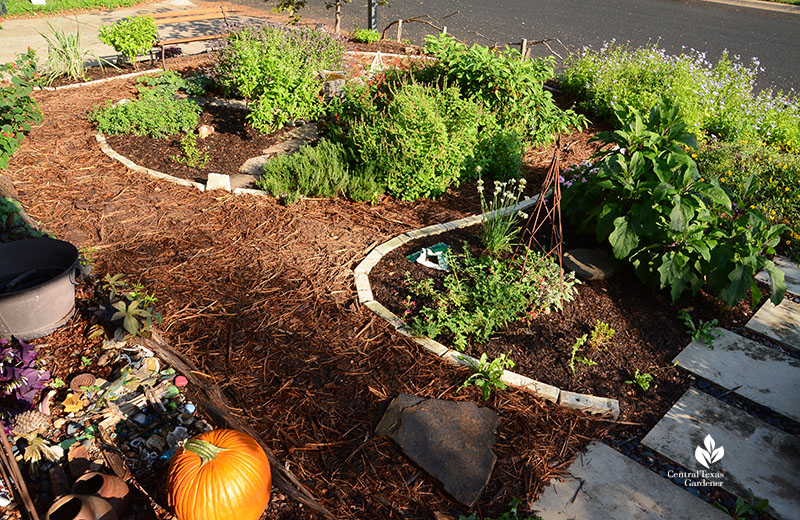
(19, 34)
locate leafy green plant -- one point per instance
(511, 514)
(18, 109)
(130, 36)
(511, 87)
(172, 82)
(277, 69)
(85, 361)
(482, 294)
(365, 35)
(745, 508)
(704, 331)
(156, 114)
(57, 383)
(12, 225)
(192, 156)
(715, 99)
(65, 55)
(645, 379)
(129, 308)
(601, 334)
(487, 374)
(318, 171)
(500, 226)
(646, 198)
(576, 347)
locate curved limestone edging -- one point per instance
(583, 402)
(103, 80)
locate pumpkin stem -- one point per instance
(203, 449)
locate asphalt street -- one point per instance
(772, 37)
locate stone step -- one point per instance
(762, 374)
(753, 454)
(602, 484)
(781, 322)
(790, 269)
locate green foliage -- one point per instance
(601, 334)
(128, 308)
(192, 156)
(646, 198)
(156, 114)
(317, 171)
(365, 35)
(12, 225)
(715, 99)
(65, 55)
(576, 347)
(745, 508)
(487, 374)
(500, 226)
(644, 380)
(277, 68)
(483, 294)
(172, 82)
(704, 331)
(56, 6)
(511, 514)
(771, 175)
(511, 87)
(130, 36)
(18, 109)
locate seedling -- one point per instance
(645, 379)
(579, 342)
(704, 331)
(745, 508)
(487, 374)
(601, 335)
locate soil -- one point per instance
(232, 143)
(648, 333)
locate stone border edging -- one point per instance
(103, 80)
(582, 402)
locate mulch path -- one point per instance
(261, 297)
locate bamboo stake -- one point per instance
(18, 485)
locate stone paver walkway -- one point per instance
(791, 271)
(778, 322)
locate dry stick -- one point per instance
(425, 19)
(9, 463)
(216, 406)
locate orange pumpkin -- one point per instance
(219, 475)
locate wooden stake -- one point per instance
(18, 485)
(399, 30)
(523, 47)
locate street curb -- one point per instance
(582, 402)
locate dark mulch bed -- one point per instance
(387, 46)
(232, 143)
(648, 332)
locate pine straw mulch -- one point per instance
(261, 297)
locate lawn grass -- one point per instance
(25, 7)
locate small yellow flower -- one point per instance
(752, 206)
(702, 179)
(694, 156)
(788, 242)
(722, 179)
(772, 217)
(786, 189)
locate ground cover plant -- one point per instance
(715, 99)
(647, 200)
(18, 109)
(130, 36)
(278, 70)
(365, 35)
(23, 7)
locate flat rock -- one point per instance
(254, 166)
(781, 322)
(791, 271)
(218, 181)
(756, 455)
(589, 264)
(762, 374)
(452, 441)
(605, 484)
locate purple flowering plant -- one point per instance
(21, 376)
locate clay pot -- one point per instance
(80, 507)
(110, 487)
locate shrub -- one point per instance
(770, 172)
(508, 85)
(714, 99)
(18, 110)
(483, 294)
(678, 229)
(130, 36)
(365, 35)
(156, 114)
(317, 171)
(277, 68)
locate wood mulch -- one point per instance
(261, 297)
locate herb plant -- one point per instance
(365, 35)
(487, 374)
(18, 109)
(156, 114)
(12, 225)
(192, 156)
(704, 331)
(645, 379)
(500, 223)
(65, 55)
(130, 36)
(482, 294)
(172, 82)
(646, 198)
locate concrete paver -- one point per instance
(781, 322)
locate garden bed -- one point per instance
(648, 333)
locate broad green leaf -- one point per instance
(777, 282)
(622, 239)
(741, 279)
(677, 218)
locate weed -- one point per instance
(192, 156)
(129, 308)
(601, 334)
(645, 379)
(704, 331)
(487, 374)
(745, 508)
(576, 347)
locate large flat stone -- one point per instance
(756, 455)
(791, 271)
(764, 375)
(605, 484)
(452, 441)
(781, 322)
(589, 264)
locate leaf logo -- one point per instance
(709, 455)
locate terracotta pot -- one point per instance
(110, 487)
(81, 507)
